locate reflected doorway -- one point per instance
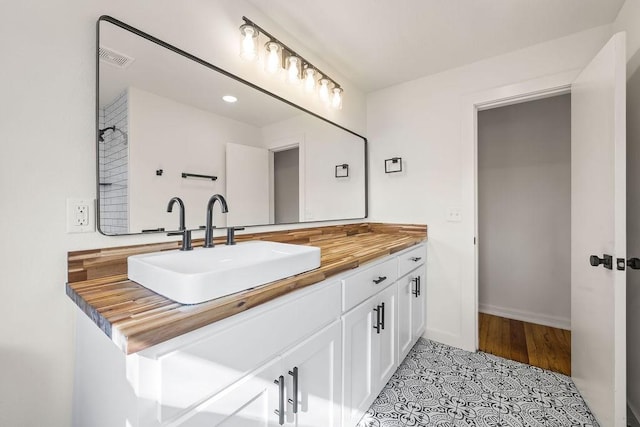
(286, 185)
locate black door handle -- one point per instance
(606, 260)
(416, 290)
(633, 263)
(379, 280)
(382, 324)
(377, 325)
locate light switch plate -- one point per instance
(454, 215)
(80, 215)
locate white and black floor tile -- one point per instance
(438, 385)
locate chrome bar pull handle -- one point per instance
(280, 411)
(294, 401)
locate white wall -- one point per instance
(629, 20)
(324, 147)
(524, 211)
(175, 137)
(421, 122)
(47, 126)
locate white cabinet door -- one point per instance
(370, 352)
(249, 403)
(418, 303)
(411, 310)
(314, 371)
(406, 286)
(359, 388)
(384, 339)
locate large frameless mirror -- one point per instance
(165, 128)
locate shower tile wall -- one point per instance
(113, 157)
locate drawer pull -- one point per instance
(280, 411)
(294, 400)
(415, 258)
(377, 325)
(379, 280)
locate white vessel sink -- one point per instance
(192, 277)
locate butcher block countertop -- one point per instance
(136, 318)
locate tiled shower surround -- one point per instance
(114, 156)
(438, 385)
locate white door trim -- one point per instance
(529, 90)
(283, 144)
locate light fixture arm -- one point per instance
(289, 50)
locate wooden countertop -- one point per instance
(136, 318)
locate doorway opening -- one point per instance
(524, 230)
(286, 185)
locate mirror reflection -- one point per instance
(171, 126)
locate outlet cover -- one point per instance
(80, 215)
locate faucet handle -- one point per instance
(186, 238)
(231, 235)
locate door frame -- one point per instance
(530, 90)
(284, 144)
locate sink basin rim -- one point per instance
(163, 273)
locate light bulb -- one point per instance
(293, 69)
(272, 64)
(309, 79)
(336, 99)
(249, 44)
(324, 90)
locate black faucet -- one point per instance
(208, 233)
(186, 234)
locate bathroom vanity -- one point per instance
(310, 350)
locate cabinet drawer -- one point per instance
(409, 260)
(216, 360)
(370, 281)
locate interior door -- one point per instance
(247, 174)
(598, 227)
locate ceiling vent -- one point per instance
(114, 58)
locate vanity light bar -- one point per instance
(279, 56)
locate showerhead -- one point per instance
(101, 133)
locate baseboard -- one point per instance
(448, 339)
(632, 417)
(526, 316)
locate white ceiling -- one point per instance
(164, 73)
(379, 43)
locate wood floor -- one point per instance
(537, 345)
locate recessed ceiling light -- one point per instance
(229, 98)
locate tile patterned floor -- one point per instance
(438, 385)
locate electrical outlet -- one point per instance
(454, 215)
(79, 216)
